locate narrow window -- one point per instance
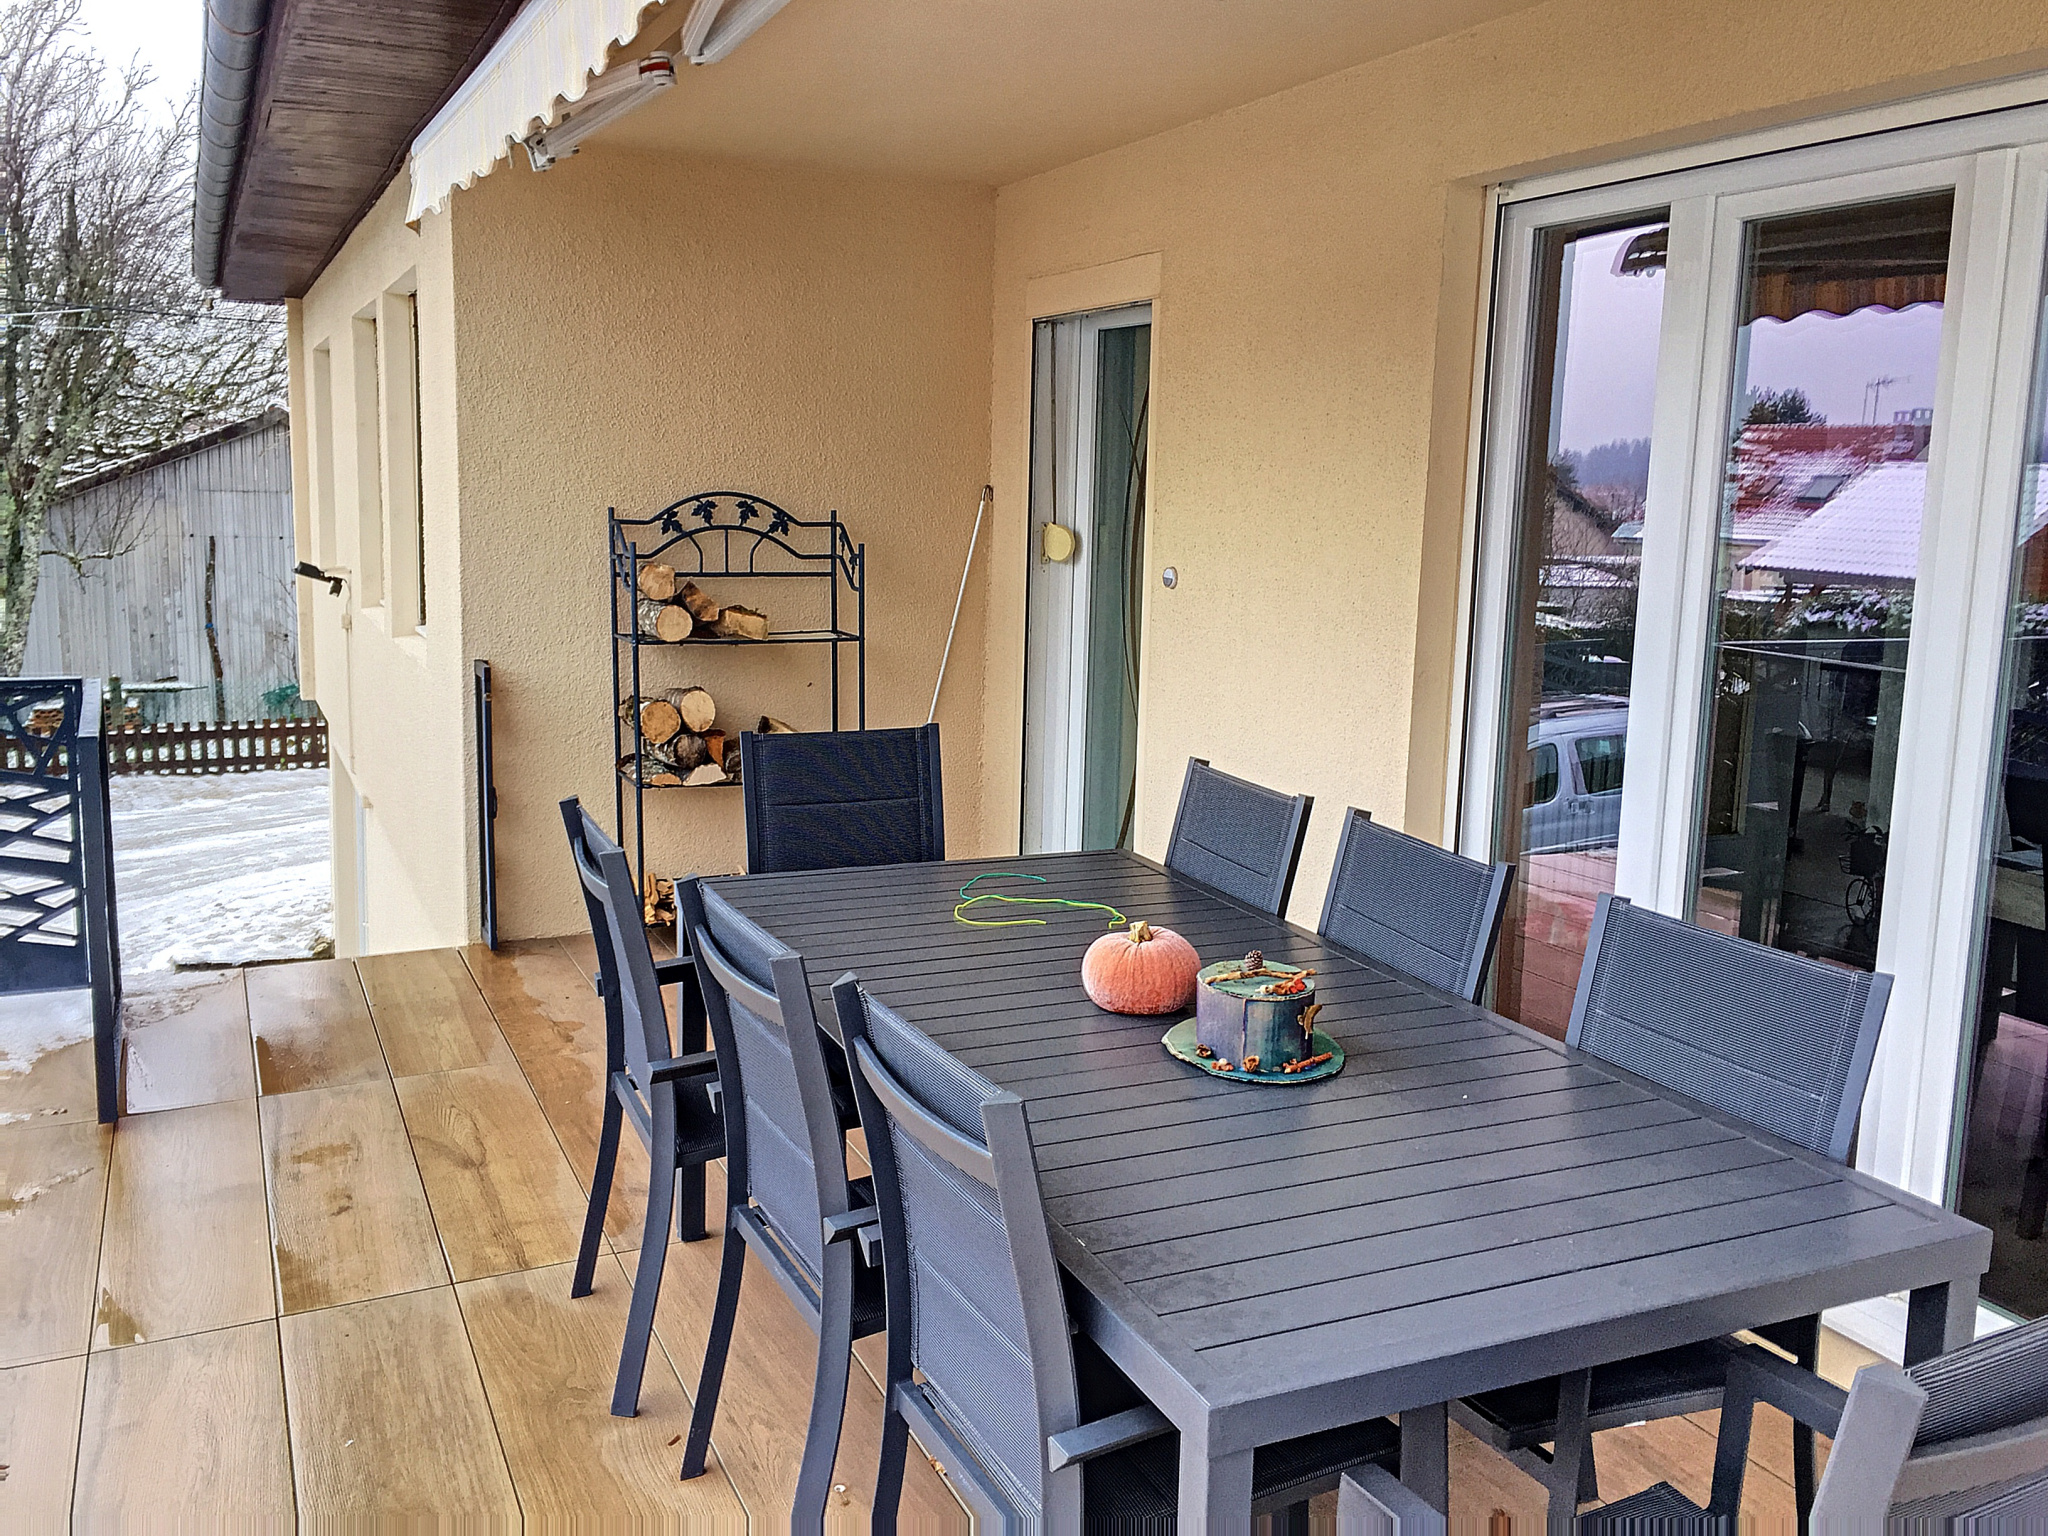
(369, 464)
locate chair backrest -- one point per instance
(971, 1279)
(1777, 1040)
(1956, 1443)
(837, 799)
(625, 963)
(1239, 838)
(783, 1145)
(1421, 909)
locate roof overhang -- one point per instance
(307, 110)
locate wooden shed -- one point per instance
(204, 527)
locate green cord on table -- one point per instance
(966, 901)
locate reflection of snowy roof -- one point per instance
(1871, 531)
(1771, 523)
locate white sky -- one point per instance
(165, 32)
(1611, 353)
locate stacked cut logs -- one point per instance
(659, 901)
(680, 740)
(670, 610)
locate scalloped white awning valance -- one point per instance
(540, 66)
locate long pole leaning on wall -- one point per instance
(486, 807)
(988, 494)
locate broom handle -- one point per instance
(988, 493)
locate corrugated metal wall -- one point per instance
(141, 617)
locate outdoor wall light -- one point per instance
(312, 572)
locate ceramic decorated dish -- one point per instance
(1325, 1058)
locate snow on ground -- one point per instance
(222, 869)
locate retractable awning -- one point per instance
(539, 67)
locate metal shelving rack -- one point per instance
(728, 536)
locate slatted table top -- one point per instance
(1466, 1206)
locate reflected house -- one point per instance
(1785, 473)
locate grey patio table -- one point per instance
(1466, 1206)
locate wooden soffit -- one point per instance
(342, 88)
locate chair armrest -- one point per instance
(1099, 1437)
(862, 1223)
(1787, 1387)
(668, 972)
(677, 1068)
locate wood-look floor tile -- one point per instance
(46, 1074)
(766, 1400)
(502, 1193)
(53, 1194)
(186, 1041)
(554, 1022)
(312, 1027)
(349, 1219)
(428, 1012)
(548, 1363)
(188, 1430)
(39, 1409)
(388, 1416)
(187, 1243)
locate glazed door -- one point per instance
(1091, 388)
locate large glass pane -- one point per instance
(1599, 304)
(1116, 574)
(2004, 1180)
(1833, 406)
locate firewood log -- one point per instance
(657, 581)
(702, 605)
(714, 746)
(664, 621)
(686, 751)
(696, 706)
(708, 773)
(770, 726)
(658, 900)
(659, 720)
(732, 762)
(664, 780)
(737, 623)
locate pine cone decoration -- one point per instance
(1255, 961)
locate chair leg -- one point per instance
(1807, 1354)
(732, 1265)
(1570, 1461)
(600, 1194)
(690, 1204)
(889, 1473)
(828, 1394)
(1292, 1521)
(661, 1195)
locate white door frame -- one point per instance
(1057, 600)
(1950, 728)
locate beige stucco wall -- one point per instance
(634, 328)
(396, 698)
(1319, 276)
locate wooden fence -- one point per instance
(238, 747)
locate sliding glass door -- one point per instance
(1761, 441)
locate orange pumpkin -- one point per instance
(1143, 970)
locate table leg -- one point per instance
(1215, 1491)
(1426, 1454)
(1940, 1318)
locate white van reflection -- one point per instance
(1577, 750)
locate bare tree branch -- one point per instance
(108, 347)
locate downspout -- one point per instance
(234, 46)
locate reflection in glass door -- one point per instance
(1598, 298)
(1084, 604)
(1836, 365)
(2004, 1176)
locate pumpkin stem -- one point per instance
(1140, 931)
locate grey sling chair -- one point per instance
(1423, 910)
(1774, 1040)
(1955, 1444)
(1238, 838)
(787, 1193)
(1036, 1428)
(670, 1096)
